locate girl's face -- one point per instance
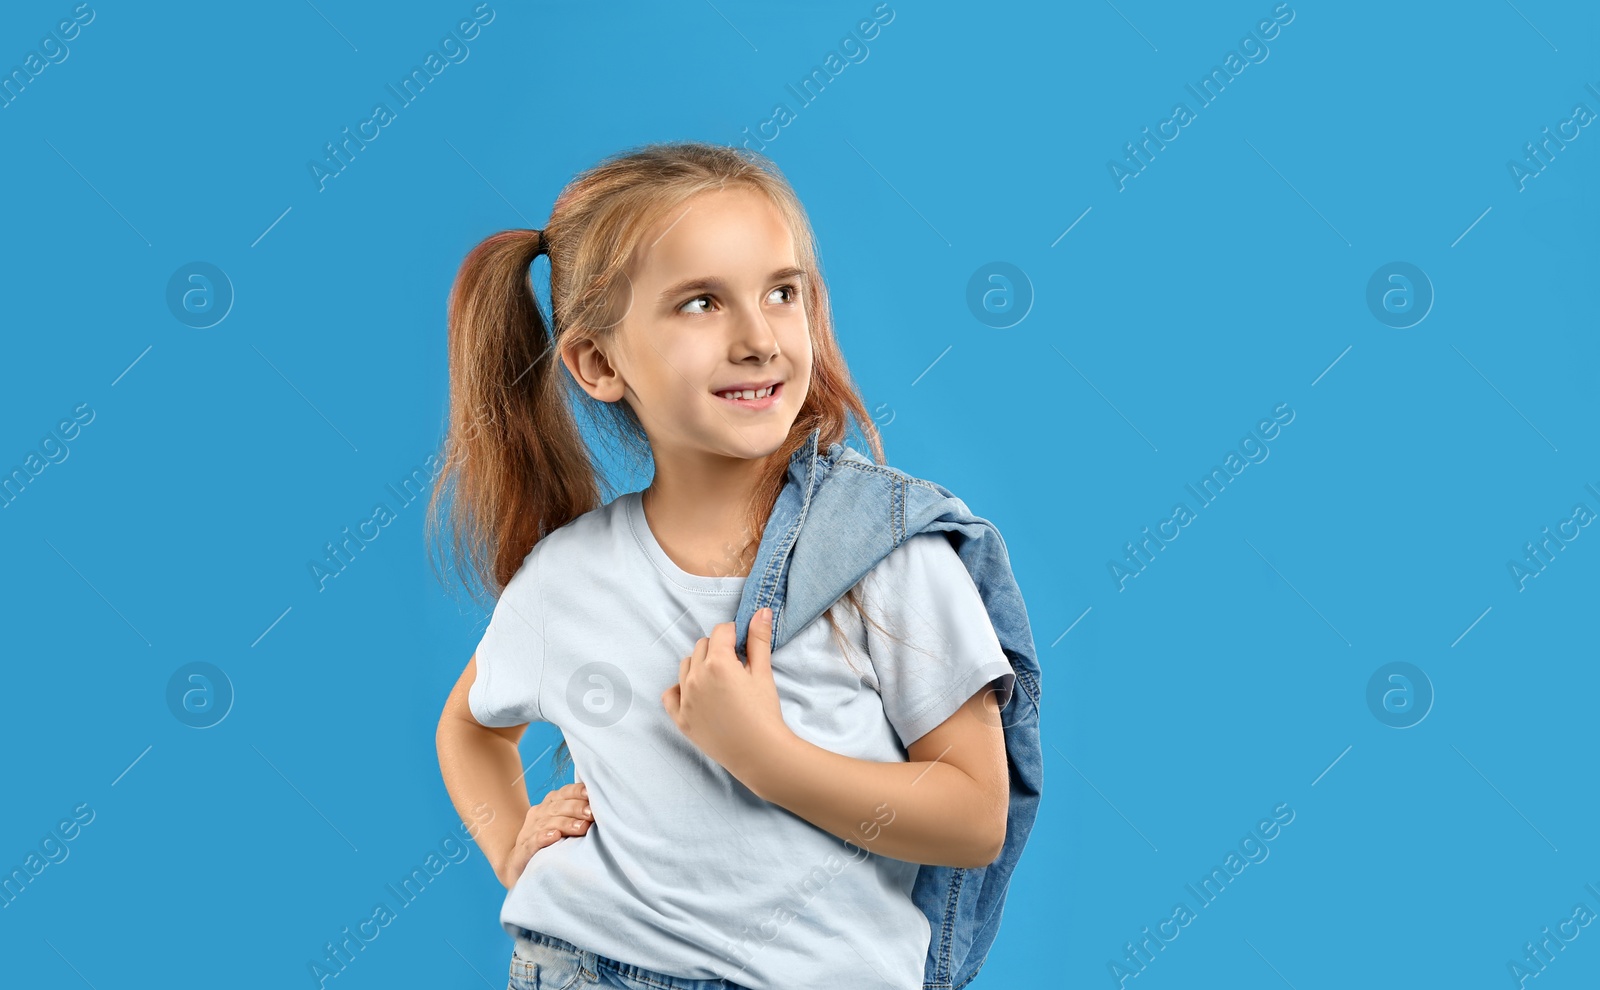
(717, 304)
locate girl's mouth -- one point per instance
(765, 402)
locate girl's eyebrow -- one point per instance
(712, 282)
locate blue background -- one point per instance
(1227, 277)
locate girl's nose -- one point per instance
(753, 335)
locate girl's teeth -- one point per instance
(747, 394)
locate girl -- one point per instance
(758, 825)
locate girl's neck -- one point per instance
(703, 529)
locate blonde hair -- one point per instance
(514, 459)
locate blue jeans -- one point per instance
(544, 962)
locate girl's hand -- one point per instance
(729, 709)
(564, 811)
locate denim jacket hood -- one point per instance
(838, 515)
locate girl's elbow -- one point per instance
(995, 833)
(992, 851)
(989, 851)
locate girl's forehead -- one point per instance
(713, 249)
(739, 207)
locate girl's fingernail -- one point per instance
(586, 812)
(548, 834)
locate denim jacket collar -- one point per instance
(807, 469)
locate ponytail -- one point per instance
(513, 454)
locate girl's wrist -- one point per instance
(498, 855)
(765, 759)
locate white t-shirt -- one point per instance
(685, 871)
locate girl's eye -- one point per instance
(790, 297)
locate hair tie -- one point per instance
(544, 244)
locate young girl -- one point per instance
(756, 825)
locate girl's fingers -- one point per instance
(575, 790)
(549, 830)
(555, 828)
(572, 809)
(564, 811)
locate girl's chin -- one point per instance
(752, 441)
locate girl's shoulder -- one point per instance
(587, 540)
(925, 560)
(596, 523)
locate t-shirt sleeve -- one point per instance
(510, 656)
(945, 649)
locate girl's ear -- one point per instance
(592, 370)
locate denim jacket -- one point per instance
(838, 514)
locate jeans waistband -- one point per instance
(592, 960)
(559, 943)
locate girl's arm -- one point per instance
(946, 806)
(483, 772)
